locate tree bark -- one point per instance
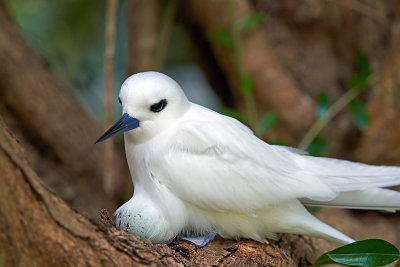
(52, 124)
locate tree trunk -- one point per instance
(52, 124)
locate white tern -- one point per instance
(198, 173)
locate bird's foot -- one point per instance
(201, 241)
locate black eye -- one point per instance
(157, 107)
(119, 100)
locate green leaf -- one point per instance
(251, 21)
(222, 37)
(362, 63)
(370, 252)
(246, 84)
(322, 104)
(234, 114)
(317, 146)
(267, 122)
(359, 114)
(359, 80)
(322, 260)
(364, 259)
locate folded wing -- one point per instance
(218, 164)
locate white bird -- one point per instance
(197, 173)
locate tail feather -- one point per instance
(372, 199)
(343, 175)
(297, 220)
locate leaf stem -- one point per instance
(317, 127)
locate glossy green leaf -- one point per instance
(246, 84)
(317, 146)
(370, 252)
(267, 122)
(322, 104)
(359, 80)
(251, 21)
(222, 37)
(364, 259)
(322, 260)
(359, 114)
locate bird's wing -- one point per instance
(218, 164)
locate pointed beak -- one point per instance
(126, 123)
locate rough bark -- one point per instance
(39, 229)
(52, 124)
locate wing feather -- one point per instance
(217, 164)
(343, 175)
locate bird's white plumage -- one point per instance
(227, 168)
(195, 171)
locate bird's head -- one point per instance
(151, 102)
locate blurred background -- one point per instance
(319, 75)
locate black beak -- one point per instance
(126, 123)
